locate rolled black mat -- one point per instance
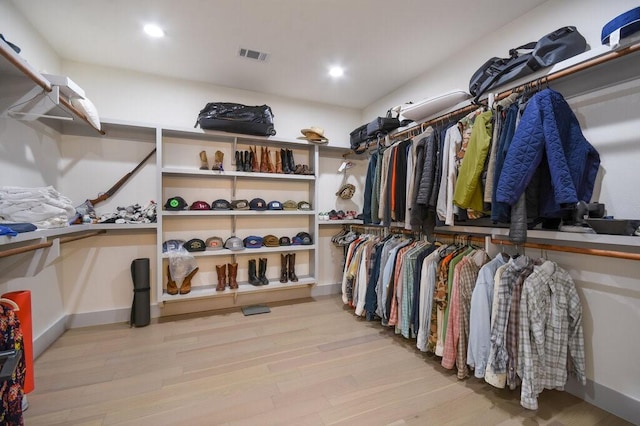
(141, 307)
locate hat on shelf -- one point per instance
(253, 242)
(200, 205)
(214, 243)
(270, 241)
(258, 204)
(172, 245)
(275, 205)
(290, 205)
(303, 205)
(620, 27)
(305, 237)
(240, 205)
(195, 244)
(175, 203)
(296, 241)
(314, 134)
(221, 205)
(234, 243)
(346, 191)
(284, 241)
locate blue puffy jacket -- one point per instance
(549, 136)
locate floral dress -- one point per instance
(12, 388)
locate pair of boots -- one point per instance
(288, 268)
(172, 287)
(266, 165)
(217, 163)
(246, 161)
(258, 277)
(222, 276)
(286, 157)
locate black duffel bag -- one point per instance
(550, 49)
(237, 118)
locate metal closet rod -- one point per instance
(32, 247)
(541, 80)
(459, 238)
(568, 249)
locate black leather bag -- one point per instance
(381, 126)
(550, 49)
(358, 136)
(237, 118)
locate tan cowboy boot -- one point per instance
(204, 162)
(255, 165)
(270, 166)
(218, 160)
(263, 161)
(186, 283)
(233, 274)
(222, 277)
(278, 162)
(172, 288)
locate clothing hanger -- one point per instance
(10, 302)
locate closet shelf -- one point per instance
(20, 78)
(218, 174)
(238, 213)
(340, 222)
(248, 251)
(42, 234)
(208, 135)
(244, 288)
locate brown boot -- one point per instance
(186, 283)
(284, 274)
(172, 288)
(218, 161)
(263, 160)
(222, 277)
(233, 274)
(278, 162)
(204, 162)
(270, 167)
(292, 267)
(255, 165)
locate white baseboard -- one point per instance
(326, 290)
(606, 398)
(46, 339)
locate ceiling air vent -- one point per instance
(253, 54)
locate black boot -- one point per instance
(284, 274)
(262, 271)
(284, 158)
(292, 164)
(253, 278)
(247, 161)
(292, 267)
(239, 162)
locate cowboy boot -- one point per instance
(262, 271)
(270, 167)
(284, 274)
(292, 164)
(255, 165)
(222, 277)
(263, 160)
(204, 162)
(239, 165)
(247, 161)
(186, 283)
(278, 162)
(292, 267)
(172, 288)
(285, 161)
(217, 163)
(233, 274)
(253, 278)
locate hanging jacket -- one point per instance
(549, 136)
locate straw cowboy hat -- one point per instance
(314, 134)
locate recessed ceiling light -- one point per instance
(336, 72)
(153, 30)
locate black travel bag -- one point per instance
(550, 49)
(381, 126)
(237, 118)
(358, 137)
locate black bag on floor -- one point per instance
(550, 49)
(237, 118)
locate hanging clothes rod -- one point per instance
(540, 81)
(568, 249)
(32, 247)
(462, 238)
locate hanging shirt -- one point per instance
(444, 206)
(427, 285)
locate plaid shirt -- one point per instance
(406, 298)
(550, 333)
(397, 285)
(453, 320)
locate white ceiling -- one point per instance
(382, 44)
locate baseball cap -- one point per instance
(172, 245)
(284, 241)
(200, 205)
(234, 243)
(346, 191)
(195, 244)
(296, 241)
(270, 241)
(221, 205)
(290, 205)
(214, 243)
(175, 203)
(240, 205)
(303, 205)
(258, 204)
(253, 242)
(275, 205)
(305, 237)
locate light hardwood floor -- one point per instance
(305, 363)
